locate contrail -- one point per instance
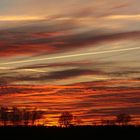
(69, 56)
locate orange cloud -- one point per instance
(28, 49)
(23, 42)
(87, 101)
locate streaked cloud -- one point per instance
(78, 55)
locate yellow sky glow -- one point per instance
(124, 16)
(20, 18)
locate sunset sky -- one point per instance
(81, 56)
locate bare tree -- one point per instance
(123, 119)
(4, 115)
(26, 116)
(65, 119)
(16, 116)
(35, 115)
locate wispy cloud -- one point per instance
(97, 43)
(25, 44)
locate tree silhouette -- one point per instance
(123, 119)
(16, 116)
(26, 116)
(35, 115)
(4, 115)
(65, 119)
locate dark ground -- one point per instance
(81, 132)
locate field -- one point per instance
(86, 132)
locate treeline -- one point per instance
(66, 119)
(29, 116)
(19, 116)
